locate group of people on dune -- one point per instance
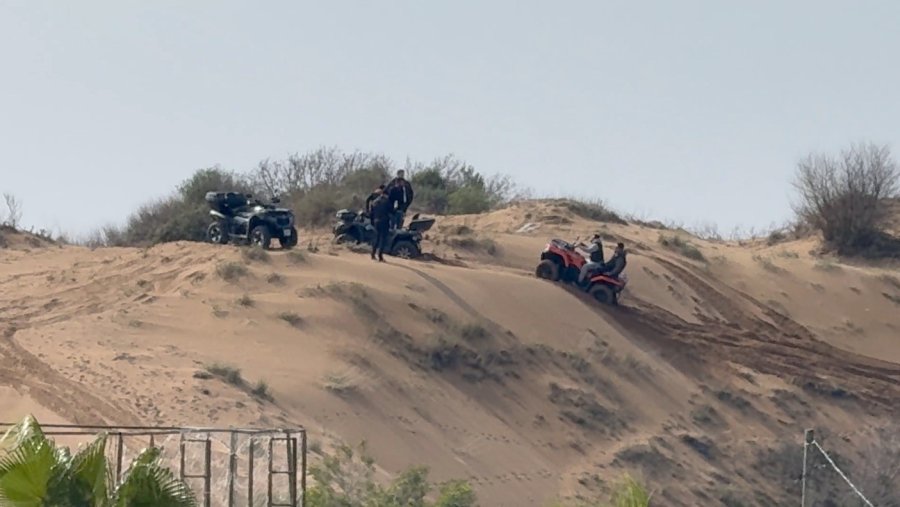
(386, 208)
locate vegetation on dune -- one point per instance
(628, 492)
(34, 471)
(315, 185)
(347, 479)
(846, 197)
(680, 245)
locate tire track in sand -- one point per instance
(22, 370)
(780, 347)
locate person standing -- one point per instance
(381, 211)
(401, 193)
(374, 195)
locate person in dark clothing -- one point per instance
(374, 195)
(617, 262)
(401, 193)
(381, 220)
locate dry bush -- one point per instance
(231, 271)
(229, 374)
(595, 209)
(291, 318)
(845, 197)
(255, 253)
(296, 256)
(13, 211)
(486, 245)
(232, 376)
(685, 248)
(768, 264)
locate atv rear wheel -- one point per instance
(603, 294)
(291, 242)
(547, 270)
(406, 249)
(261, 237)
(216, 233)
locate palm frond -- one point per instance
(147, 484)
(25, 429)
(26, 470)
(84, 479)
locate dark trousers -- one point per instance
(397, 219)
(382, 229)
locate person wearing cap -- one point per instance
(595, 252)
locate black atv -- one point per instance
(239, 218)
(354, 227)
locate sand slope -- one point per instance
(471, 366)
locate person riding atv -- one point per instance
(595, 253)
(612, 269)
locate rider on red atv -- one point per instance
(595, 253)
(613, 268)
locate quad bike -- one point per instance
(256, 223)
(405, 242)
(560, 262)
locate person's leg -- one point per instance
(588, 267)
(383, 240)
(377, 239)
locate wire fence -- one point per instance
(810, 445)
(224, 467)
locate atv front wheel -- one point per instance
(603, 294)
(216, 233)
(406, 249)
(291, 242)
(547, 270)
(261, 237)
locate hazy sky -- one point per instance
(689, 111)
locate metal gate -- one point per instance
(222, 466)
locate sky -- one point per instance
(694, 112)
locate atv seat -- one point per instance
(346, 215)
(420, 224)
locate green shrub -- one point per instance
(347, 478)
(315, 185)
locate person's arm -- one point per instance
(409, 194)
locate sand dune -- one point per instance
(472, 365)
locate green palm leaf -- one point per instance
(25, 472)
(83, 480)
(147, 484)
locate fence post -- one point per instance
(808, 439)
(232, 467)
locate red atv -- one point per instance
(561, 262)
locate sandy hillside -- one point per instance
(719, 356)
